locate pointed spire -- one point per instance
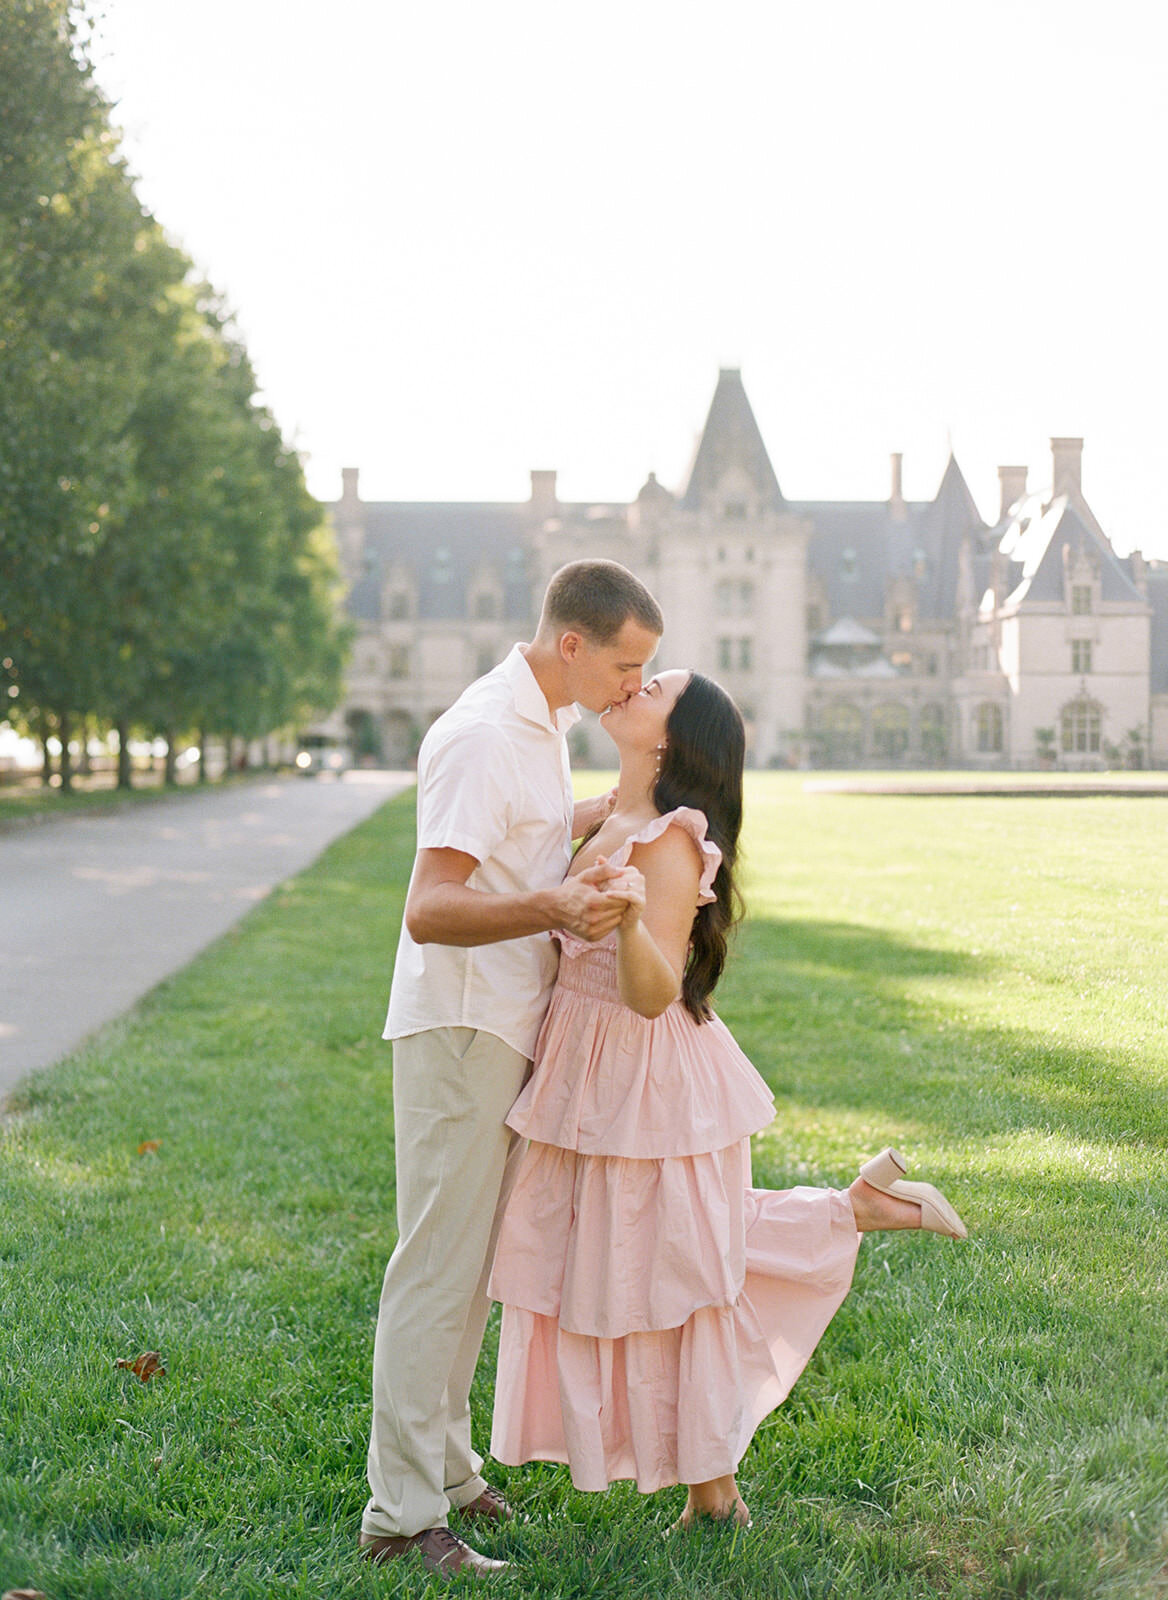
(731, 454)
(954, 505)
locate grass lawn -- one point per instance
(981, 981)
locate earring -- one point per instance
(660, 757)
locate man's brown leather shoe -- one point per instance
(490, 1504)
(442, 1552)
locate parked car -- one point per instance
(318, 753)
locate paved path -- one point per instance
(95, 910)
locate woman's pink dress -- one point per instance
(655, 1306)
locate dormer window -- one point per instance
(849, 566)
(442, 569)
(734, 511)
(1081, 599)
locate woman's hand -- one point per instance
(629, 885)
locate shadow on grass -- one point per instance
(862, 1020)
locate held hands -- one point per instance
(598, 900)
(629, 884)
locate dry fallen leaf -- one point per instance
(149, 1146)
(146, 1366)
(22, 1594)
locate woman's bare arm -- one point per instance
(654, 934)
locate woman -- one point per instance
(655, 1306)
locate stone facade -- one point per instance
(887, 633)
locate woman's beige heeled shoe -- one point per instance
(886, 1173)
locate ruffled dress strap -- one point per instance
(693, 822)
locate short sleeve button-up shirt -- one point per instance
(493, 782)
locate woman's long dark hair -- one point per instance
(705, 749)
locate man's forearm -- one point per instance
(587, 813)
(452, 913)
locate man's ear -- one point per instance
(570, 646)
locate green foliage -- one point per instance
(161, 562)
(979, 980)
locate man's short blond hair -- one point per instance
(597, 598)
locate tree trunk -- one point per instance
(202, 755)
(84, 765)
(64, 732)
(125, 771)
(169, 776)
(44, 734)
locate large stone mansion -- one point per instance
(884, 633)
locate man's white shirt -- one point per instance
(494, 782)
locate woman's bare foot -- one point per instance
(875, 1211)
(717, 1500)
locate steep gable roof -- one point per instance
(731, 442)
(943, 526)
(1035, 543)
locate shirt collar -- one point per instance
(530, 700)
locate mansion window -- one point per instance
(890, 728)
(901, 658)
(734, 511)
(399, 605)
(399, 661)
(486, 607)
(736, 655)
(734, 599)
(848, 565)
(934, 740)
(1080, 728)
(904, 619)
(1081, 599)
(989, 728)
(1080, 655)
(839, 733)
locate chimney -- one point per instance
(1013, 482)
(543, 493)
(896, 499)
(349, 484)
(1068, 466)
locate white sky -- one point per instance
(468, 239)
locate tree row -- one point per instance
(163, 570)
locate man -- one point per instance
(472, 980)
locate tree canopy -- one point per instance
(162, 565)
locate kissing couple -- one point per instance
(572, 1121)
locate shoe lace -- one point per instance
(447, 1541)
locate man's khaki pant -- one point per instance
(452, 1087)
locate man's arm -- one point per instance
(587, 813)
(441, 909)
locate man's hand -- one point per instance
(586, 907)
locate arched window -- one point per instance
(840, 730)
(1080, 726)
(988, 724)
(934, 742)
(890, 724)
